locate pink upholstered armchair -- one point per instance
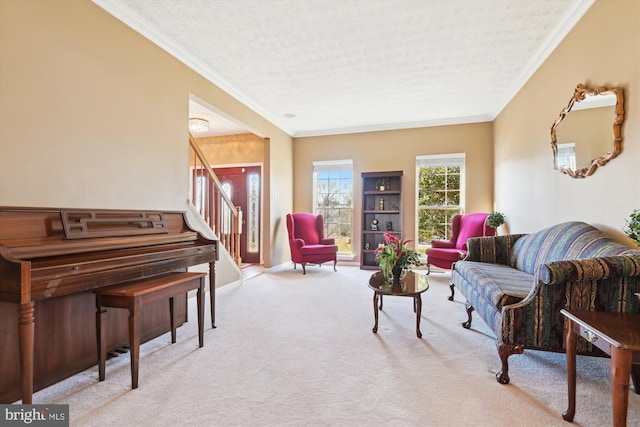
(443, 253)
(307, 242)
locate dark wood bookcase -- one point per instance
(381, 201)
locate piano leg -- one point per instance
(26, 330)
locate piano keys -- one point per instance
(50, 262)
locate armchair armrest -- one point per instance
(448, 244)
(297, 243)
(328, 241)
(493, 249)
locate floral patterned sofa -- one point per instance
(519, 283)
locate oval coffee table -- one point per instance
(412, 285)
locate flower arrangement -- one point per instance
(395, 253)
(632, 226)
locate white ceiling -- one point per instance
(343, 66)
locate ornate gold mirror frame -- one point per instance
(580, 94)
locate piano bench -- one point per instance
(132, 296)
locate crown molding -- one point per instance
(156, 36)
(575, 12)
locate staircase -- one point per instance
(209, 199)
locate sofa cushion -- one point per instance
(566, 241)
(500, 284)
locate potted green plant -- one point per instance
(495, 219)
(632, 226)
(395, 257)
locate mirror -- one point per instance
(583, 141)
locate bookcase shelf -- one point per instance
(382, 202)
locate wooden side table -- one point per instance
(618, 335)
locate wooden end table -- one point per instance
(412, 285)
(618, 335)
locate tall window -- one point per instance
(333, 198)
(440, 195)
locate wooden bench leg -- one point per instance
(200, 302)
(134, 340)
(101, 339)
(173, 321)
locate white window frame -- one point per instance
(425, 161)
(334, 166)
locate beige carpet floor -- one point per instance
(294, 350)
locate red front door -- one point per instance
(244, 186)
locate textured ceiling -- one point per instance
(344, 66)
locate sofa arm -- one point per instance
(595, 284)
(493, 249)
(328, 241)
(589, 269)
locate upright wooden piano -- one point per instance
(50, 262)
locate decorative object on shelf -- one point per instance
(495, 219)
(381, 203)
(196, 124)
(632, 226)
(366, 246)
(389, 226)
(374, 224)
(395, 253)
(382, 187)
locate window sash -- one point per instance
(338, 217)
(439, 226)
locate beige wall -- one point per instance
(397, 150)
(233, 149)
(602, 49)
(92, 114)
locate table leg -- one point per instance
(620, 372)
(417, 304)
(571, 343)
(375, 311)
